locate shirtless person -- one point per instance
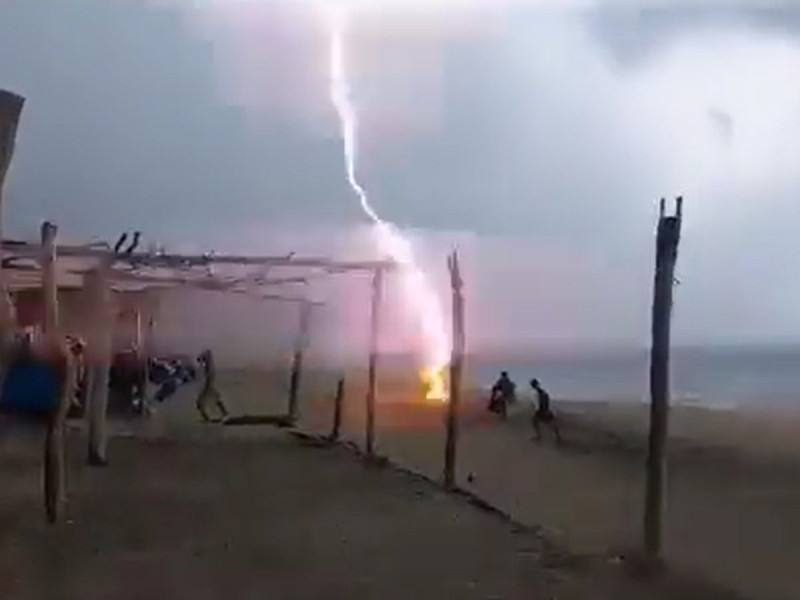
(544, 414)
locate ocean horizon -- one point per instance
(732, 376)
(709, 376)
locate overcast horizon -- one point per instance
(536, 139)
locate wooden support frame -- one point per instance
(667, 240)
(187, 272)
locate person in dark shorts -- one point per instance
(544, 415)
(504, 392)
(208, 392)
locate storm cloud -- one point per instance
(537, 139)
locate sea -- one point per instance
(713, 377)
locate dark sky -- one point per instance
(540, 139)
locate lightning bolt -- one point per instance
(417, 290)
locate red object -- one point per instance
(30, 309)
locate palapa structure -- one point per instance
(43, 275)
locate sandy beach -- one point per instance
(206, 511)
(733, 476)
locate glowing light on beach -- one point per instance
(416, 288)
(434, 381)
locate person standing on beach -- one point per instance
(208, 393)
(544, 414)
(504, 392)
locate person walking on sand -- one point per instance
(544, 414)
(208, 393)
(504, 392)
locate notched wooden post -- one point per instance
(667, 239)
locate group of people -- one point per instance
(129, 374)
(504, 394)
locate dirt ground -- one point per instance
(190, 511)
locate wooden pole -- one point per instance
(338, 403)
(668, 236)
(54, 461)
(10, 111)
(301, 344)
(374, 334)
(148, 350)
(137, 334)
(456, 366)
(98, 353)
(49, 283)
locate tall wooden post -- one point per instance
(49, 284)
(98, 353)
(338, 403)
(456, 366)
(148, 345)
(137, 332)
(54, 461)
(301, 344)
(10, 111)
(374, 335)
(668, 236)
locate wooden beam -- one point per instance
(374, 336)
(173, 261)
(667, 239)
(456, 365)
(207, 283)
(281, 298)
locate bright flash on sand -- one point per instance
(416, 288)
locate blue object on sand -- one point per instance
(29, 388)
